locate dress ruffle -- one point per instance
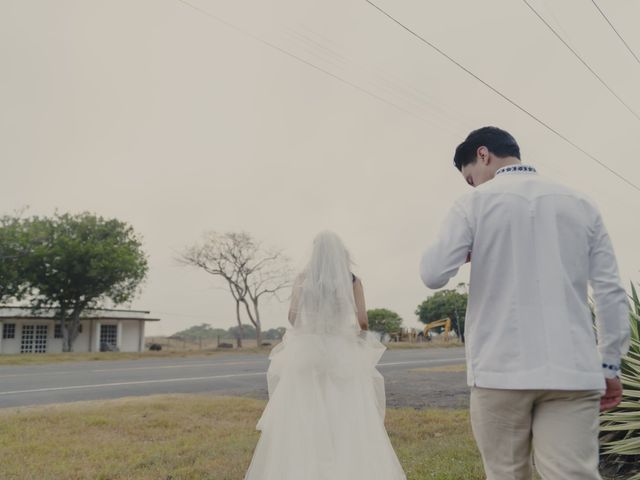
(325, 415)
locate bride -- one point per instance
(325, 415)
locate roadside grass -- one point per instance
(44, 358)
(191, 437)
(198, 437)
(177, 352)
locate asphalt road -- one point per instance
(226, 374)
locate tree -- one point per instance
(443, 304)
(12, 252)
(71, 263)
(249, 270)
(274, 333)
(219, 332)
(204, 330)
(384, 321)
(246, 330)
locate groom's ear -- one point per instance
(483, 155)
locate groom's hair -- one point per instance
(497, 141)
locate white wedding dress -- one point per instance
(325, 415)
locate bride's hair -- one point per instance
(327, 243)
(327, 284)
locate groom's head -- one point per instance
(483, 152)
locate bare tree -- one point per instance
(251, 272)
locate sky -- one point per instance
(288, 117)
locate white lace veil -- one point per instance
(323, 293)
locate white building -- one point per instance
(24, 332)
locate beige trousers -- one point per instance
(559, 429)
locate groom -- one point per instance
(537, 376)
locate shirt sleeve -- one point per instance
(612, 308)
(443, 259)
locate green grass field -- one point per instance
(43, 358)
(197, 437)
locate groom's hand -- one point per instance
(613, 396)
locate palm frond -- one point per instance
(620, 427)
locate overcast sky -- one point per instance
(178, 122)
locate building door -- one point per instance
(108, 337)
(34, 338)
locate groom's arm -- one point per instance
(612, 308)
(451, 250)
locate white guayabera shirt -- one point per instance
(536, 246)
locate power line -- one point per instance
(377, 97)
(386, 81)
(616, 31)
(302, 60)
(503, 96)
(582, 60)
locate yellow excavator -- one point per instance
(445, 322)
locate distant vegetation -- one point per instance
(384, 320)
(206, 331)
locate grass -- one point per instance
(43, 358)
(434, 444)
(198, 437)
(175, 349)
(174, 344)
(190, 437)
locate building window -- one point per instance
(26, 344)
(34, 338)
(40, 344)
(9, 330)
(108, 337)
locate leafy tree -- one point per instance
(204, 330)
(274, 333)
(71, 263)
(246, 330)
(12, 252)
(219, 332)
(384, 321)
(443, 304)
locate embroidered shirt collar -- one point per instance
(516, 169)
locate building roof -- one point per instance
(7, 311)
